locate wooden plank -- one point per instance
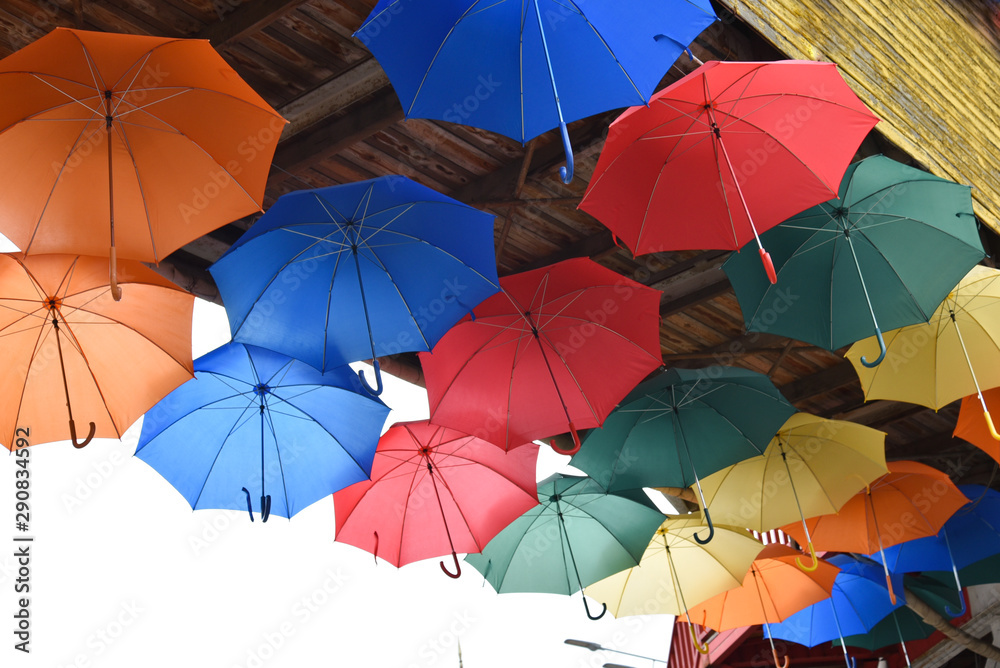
(246, 19)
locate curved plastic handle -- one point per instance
(604, 608)
(765, 257)
(576, 443)
(778, 664)
(72, 435)
(989, 423)
(711, 531)
(881, 355)
(815, 561)
(566, 173)
(249, 505)
(378, 380)
(116, 292)
(265, 507)
(702, 649)
(375, 553)
(458, 568)
(888, 583)
(961, 611)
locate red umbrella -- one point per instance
(725, 153)
(435, 490)
(555, 350)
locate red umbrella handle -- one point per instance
(458, 568)
(765, 257)
(576, 442)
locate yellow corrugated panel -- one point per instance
(930, 69)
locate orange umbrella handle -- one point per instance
(116, 291)
(778, 664)
(702, 649)
(72, 434)
(989, 423)
(888, 583)
(815, 561)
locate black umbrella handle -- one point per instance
(586, 607)
(265, 507)
(249, 505)
(711, 529)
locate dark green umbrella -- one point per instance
(900, 626)
(578, 535)
(882, 255)
(681, 425)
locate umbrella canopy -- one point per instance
(677, 571)
(165, 127)
(435, 490)
(899, 626)
(356, 271)
(858, 602)
(811, 467)
(523, 68)
(911, 501)
(65, 337)
(881, 255)
(973, 428)
(730, 150)
(774, 588)
(255, 419)
(684, 424)
(970, 535)
(953, 355)
(554, 351)
(578, 535)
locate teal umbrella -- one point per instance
(883, 255)
(681, 425)
(579, 534)
(899, 626)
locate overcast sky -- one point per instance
(125, 575)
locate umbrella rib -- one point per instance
(218, 453)
(580, 506)
(644, 98)
(27, 373)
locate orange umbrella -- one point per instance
(62, 333)
(971, 426)
(136, 143)
(773, 589)
(911, 501)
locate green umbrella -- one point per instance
(579, 534)
(984, 571)
(683, 424)
(901, 625)
(882, 255)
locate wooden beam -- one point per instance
(831, 378)
(326, 139)
(362, 80)
(710, 291)
(246, 19)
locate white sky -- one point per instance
(124, 574)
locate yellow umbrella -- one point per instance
(953, 355)
(677, 571)
(811, 467)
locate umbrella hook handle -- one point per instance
(813, 566)
(586, 607)
(249, 505)
(711, 532)
(566, 173)
(378, 380)
(881, 355)
(576, 442)
(702, 649)
(779, 664)
(989, 424)
(458, 568)
(72, 434)
(961, 611)
(265, 507)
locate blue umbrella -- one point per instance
(857, 604)
(356, 271)
(252, 415)
(523, 67)
(970, 535)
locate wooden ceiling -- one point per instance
(346, 124)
